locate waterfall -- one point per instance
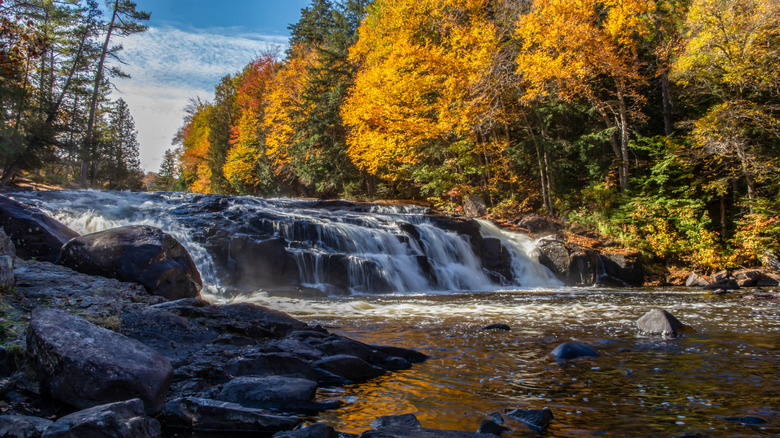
(244, 244)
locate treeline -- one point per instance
(655, 122)
(56, 120)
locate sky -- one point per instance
(189, 46)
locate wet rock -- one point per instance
(34, 234)
(261, 263)
(624, 266)
(756, 278)
(474, 206)
(572, 264)
(491, 427)
(279, 364)
(219, 416)
(116, 420)
(537, 224)
(140, 254)
(661, 323)
(349, 367)
(409, 355)
(728, 284)
(748, 420)
(407, 426)
(7, 279)
(696, 280)
(537, 419)
(318, 430)
(496, 258)
(273, 392)
(720, 292)
(498, 327)
(7, 247)
(84, 365)
(22, 426)
(573, 350)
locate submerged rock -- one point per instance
(34, 234)
(84, 365)
(498, 327)
(116, 420)
(317, 430)
(350, 367)
(407, 426)
(212, 415)
(139, 254)
(491, 427)
(661, 323)
(749, 420)
(536, 419)
(573, 350)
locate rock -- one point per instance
(573, 350)
(660, 322)
(409, 355)
(262, 263)
(574, 265)
(474, 206)
(489, 426)
(116, 420)
(7, 279)
(756, 278)
(349, 367)
(273, 392)
(405, 421)
(496, 258)
(624, 266)
(22, 426)
(728, 284)
(500, 327)
(771, 261)
(407, 426)
(696, 280)
(537, 419)
(279, 364)
(219, 416)
(720, 292)
(537, 224)
(746, 420)
(139, 254)
(34, 234)
(317, 430)
(84, 365)
(7, 247)
(8, 363)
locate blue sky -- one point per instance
(189, 46)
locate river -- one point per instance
(639, 386)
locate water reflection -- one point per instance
(638, 387)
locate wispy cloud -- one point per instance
(169, 66)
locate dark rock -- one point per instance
(574, 265)
(537, 419)
(8, 363)
(211, 415)
(336, 345)
(754, 421)
(255, 321)
(756, 278)
(279, 364)
(489, 426)
(496, 258)
(728, 284)
(349, 367)
(573, 350)
(139, 254)
(660, 322)
(412, 356)
(474, 206)
(116, 420)
(317, 430)
(22, 426)
(84, 365)
(34, 234)
(7, 278)
(7, 247)
(500, 327)
(696, 280)
(720, 292)
(407, 426)
(771, 261)
(261, 263)
(624, 266)
(537, 224)
(273, 392)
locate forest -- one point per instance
(654, 122)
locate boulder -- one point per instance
(139, 254)
(696, 280)
(407, 354)
(272, 392)
(474, 206)
(317, 430)
(7, 278)
(349, 367)
(537, 224)
(22, 426)
(498, 327)
(572, 264)
(219, 416)
(261, 263)
(496, 258)
(659, 322)
(573, 350)
(7, 247)
(756, 278)
(34, 234)
(624, 266)
(537, 419)
(116, 420)
(407, 426)
(491, 427)
(84, 365)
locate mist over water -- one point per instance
(639, 386)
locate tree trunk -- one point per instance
(88, 138)
(624, 159)
(667, 103)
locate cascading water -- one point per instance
(337, 247)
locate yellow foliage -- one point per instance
(240, 166)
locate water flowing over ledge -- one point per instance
(245, 244)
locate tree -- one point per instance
(166, 177)
(118, 163)
(125, 20)
(588, 49)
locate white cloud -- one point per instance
(168, 67)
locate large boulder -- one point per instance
(219, 416)
(474, 206)
(658, 322)
(573, 350)
(624, 266)
(139, 254)
(115, 420)
(274, 392)
(536, 419)
(573, 264)
(22, 426)
(34, 234)
(349, 367)
(84, 365)
(537, 224)
(261, 263)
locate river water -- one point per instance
(639, 386)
